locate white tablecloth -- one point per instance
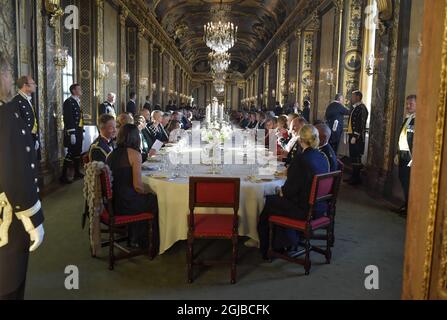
(173, 197)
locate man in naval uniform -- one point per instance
(108, 106)
(404, 156)
(21, 217)
(27, 112)
(356, 135)
(73, 133)
(103, 145)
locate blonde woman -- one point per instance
(292, 199)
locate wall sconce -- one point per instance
(53, 8)
(273, 93)
(328, 76)
(292, 87)
(372, 65)
(308, 82)
(125, 79)
(163, 89)
(104, 69)
(143, 83)
(61, 57)
(154, 86)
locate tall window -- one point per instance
(67, 78)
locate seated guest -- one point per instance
(293, 147)
(282, 131)
(165, 119)
(292, 199)
(290, 117)
(146, 140)
(156, 130)
(245, 120)
(129, 194)
(146, 114)
(325, 134)
(269, 127)
(123, 118)
(174, 131)
(252, 124)
(103, 145)
(260, 119)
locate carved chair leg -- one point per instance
(307, 262)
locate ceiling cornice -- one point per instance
(140, 13)
(300, 16)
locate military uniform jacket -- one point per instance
(73, 122)
(100, 149)
(18, 195)
(336, 111)
(410, 136)
(27, 113)
(358, 118)
(331, 157)
(107, 107)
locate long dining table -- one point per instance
(171, 185)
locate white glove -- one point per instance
(6, 221)
(4, 226)
(36, 145)
(396, 160)
(73, 139)
(36, 234)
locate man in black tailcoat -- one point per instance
(21, 217)
(357, 135)
(73, 133)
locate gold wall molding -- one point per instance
(59, 107)
(99, 83)
(435, 185)
(391, 98)
(142, 15)
(353, 46)
(41, 89)
(306, 86)
(303, 15)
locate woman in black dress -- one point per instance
(129, 194)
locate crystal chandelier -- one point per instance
(219, 86)
(219, 61)
(220, 35)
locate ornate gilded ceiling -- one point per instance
(257, 20)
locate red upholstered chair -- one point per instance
(205, 192)
(324, 188)
(116, 223)
(341, 167)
